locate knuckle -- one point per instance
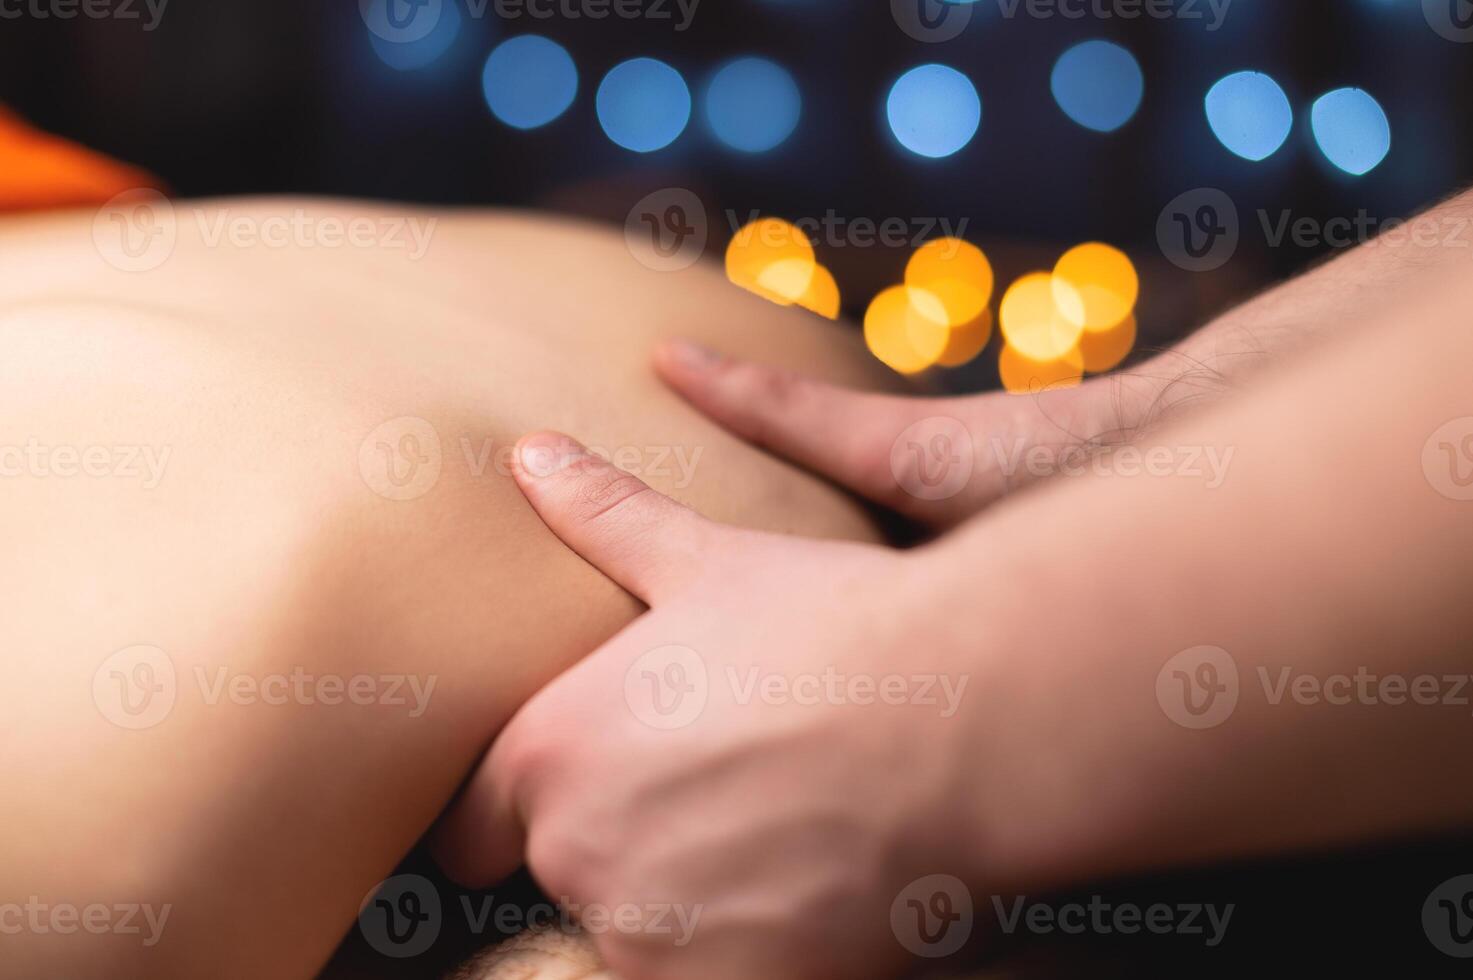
(760, 395)
(762, 385)
(537, 755)
(566, 862)
(527, 756)
(550, 859)
(598, 496)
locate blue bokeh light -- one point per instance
(934, 110)
(529, 81)
(1098, 85)
(643, 105)
(415, 42)
(1351, 129)
(1249, 112)
(753, 105)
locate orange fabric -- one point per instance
(39, 171)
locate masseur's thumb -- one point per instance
(640, 538)
(859, 440)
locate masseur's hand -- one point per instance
(937, 461)
(759, 765)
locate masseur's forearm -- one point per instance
(1326, 552)
(1374, 276)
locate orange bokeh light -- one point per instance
(1022, 375)
(957, 274)
(906, 329)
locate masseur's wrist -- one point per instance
(1197, 371)
(1039, 808)
(972, 608)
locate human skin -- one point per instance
(794, 825)
(262, 544)
(848, 435)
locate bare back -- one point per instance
(268, 589)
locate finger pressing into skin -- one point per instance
(643, 540)
(847, 436)
(501, 818)
(480, 839)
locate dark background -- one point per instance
(273, 96)
(288, 96)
